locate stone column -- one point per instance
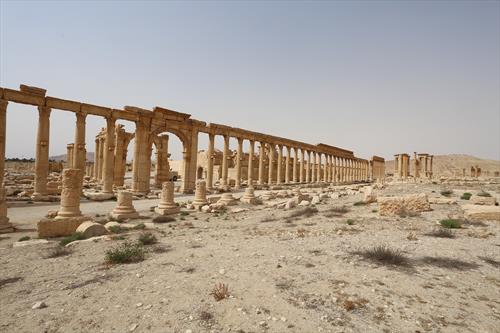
(430, 166)
(124, 207)
(80, 153)
(239, 157)
(250, 163)
(325, 169)
(279, 166)
(96, 158)
(271, 162)
(142, 162)
(70, 195)
(5, 225)
(294, 165)
(400, 166)
(200, 194)
(225, 160)
(308, 167)
(287, 165)
(313, 168)
(396, 166)
(42, 153)
(301, 165)
(69, 155)
(210, 161)
(109, 156)
(162, 166)
(261, 164)
(167, 205)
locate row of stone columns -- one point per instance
(318, 167)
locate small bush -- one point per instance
(383, 254)
(441, 233)
(184, 213)
(25, 238)
(306, 212)
(125, 253)
(446, 193)
(483, 194)
(147, 238)
(374, 210)
(359, 203)
(466, 196)
(140, 226)
(74, 237)
(451, 223)
(57, 252)
(350, 221)
(220, 291)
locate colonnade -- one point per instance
(277, 163)
(286, 160)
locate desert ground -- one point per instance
(303, 269)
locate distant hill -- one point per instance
(449, 165)
(90, 157)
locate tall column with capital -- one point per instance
(308, 167)
(5, 225)
(109, 156)
(287, 165)
(96, 160)
(279, 166)
(313, 167)
(80, 153)
(250, 163)
(42, 153)
(301, 165)
(239, 157)
(294, 164)
(210, 161)
(142, 162)
(261, 163)
(225, 160)
(271, 162)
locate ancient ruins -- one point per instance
(279, 161)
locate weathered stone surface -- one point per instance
(124, 208)
(482, 212)
(442, 201)
(60, 227)
(98, 196)
(291, 203)
(91, 229)
(249, 196)
(480, 200)
(167, 205)
(304, 203)
(30, 242)
(390, 206)
(111, 225)
(369, 195)
(227, 199)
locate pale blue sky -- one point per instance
(374, 77)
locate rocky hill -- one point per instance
(90, 157)
(449, 165)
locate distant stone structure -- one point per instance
(422, 165)
(401, 166)
(377, 168)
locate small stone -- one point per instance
(222, 271)
(147, 307)
(138, 305)
(133, 327)
(39, 305)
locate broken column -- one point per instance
(167, 205)
(70, 195)
(109, 156)
(200, 194)
(249, 196)
(124, 208)
(5, 225)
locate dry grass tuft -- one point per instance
(336, 211)
(306, 212)
(56, 252)
(384, 255)
(220, 291)
(441, 233)
(449, 263)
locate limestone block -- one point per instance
(479, 200)
(91, 229)
(391, 206)
(60, 227)
(315, 200)
(442, 201)
(482, 212)
(370, 195)
(98, 196)
(291, 203)
(304, 203)
(111, 225)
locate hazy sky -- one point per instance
(373, 77)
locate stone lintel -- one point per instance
(171, 114)
(23, 97)
(62, 104)
(33, 90)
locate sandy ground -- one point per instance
(284, 274)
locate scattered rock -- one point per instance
(39, 305)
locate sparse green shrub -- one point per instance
(24, 238)
(451, 223)
(184, 213)
(58, 251)
(374, 210)
(147, 238)
(350, 221)
(116, 229)
(125, 253)
(466, 196)
(74, 237)
(441, 233)
(359, 203)
(140, 226)
(446, 193)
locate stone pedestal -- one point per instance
(200, 194)
(124, 208)
(249, 196)
(227, 199)
(167, 205)
(5, 225)
(70, 195)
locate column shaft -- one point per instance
(109, 156)
(250, 163)
(42, 153)
(210, 160)
(239, 157)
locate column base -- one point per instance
(5, 226)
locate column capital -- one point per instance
(44, 111)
